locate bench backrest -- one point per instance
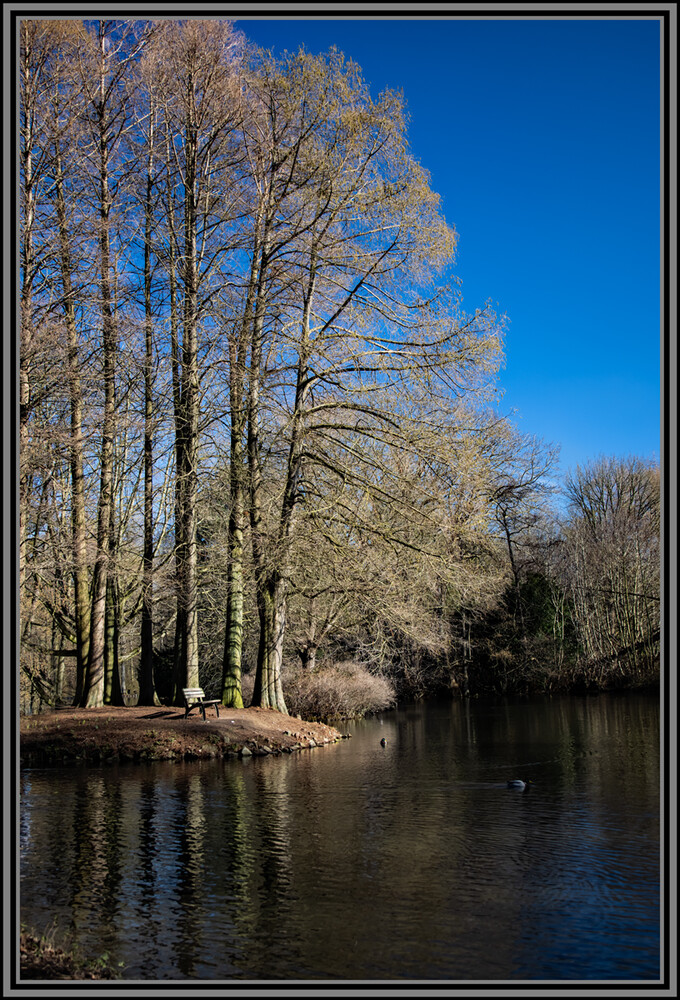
(192, 693)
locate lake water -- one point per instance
(355, 861)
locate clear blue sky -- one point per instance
(542, 137)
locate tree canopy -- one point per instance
(256, 423)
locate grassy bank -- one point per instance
(41, 958)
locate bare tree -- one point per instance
(196, 93)
(521, 490)
(51, 111)
(613, 544)
(103, 66)
(352, 236)
(250, 283)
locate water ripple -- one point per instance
(412, 860)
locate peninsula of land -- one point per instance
(110, 735)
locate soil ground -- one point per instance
(117, 734)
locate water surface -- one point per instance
(357, 861)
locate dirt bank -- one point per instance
(136, 734)
(40, 959)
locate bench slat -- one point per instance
(195, 698)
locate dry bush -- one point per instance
(338, 691)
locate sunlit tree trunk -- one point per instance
(272, 591)
(190, 396)
(233, 637)
(94, 681)
(268, 689)
(179, 647)
(78, 513)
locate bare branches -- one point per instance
(240, 320)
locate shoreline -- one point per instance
(141, 734)
(42, 959)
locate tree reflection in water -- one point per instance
(362, 862)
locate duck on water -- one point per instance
(516, 783)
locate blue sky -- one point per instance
(542, 138)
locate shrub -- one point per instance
(338, 691)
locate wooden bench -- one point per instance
(195, 698)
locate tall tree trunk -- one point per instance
(273, 584)
(268, 689)
(190, 400)
(186, 400)
(94, 681)
(179, 645)
(147, 688)
(178, 681)
(113, 692)
(233, 636)
(29, 89)
(268, 692)
(78, 516)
